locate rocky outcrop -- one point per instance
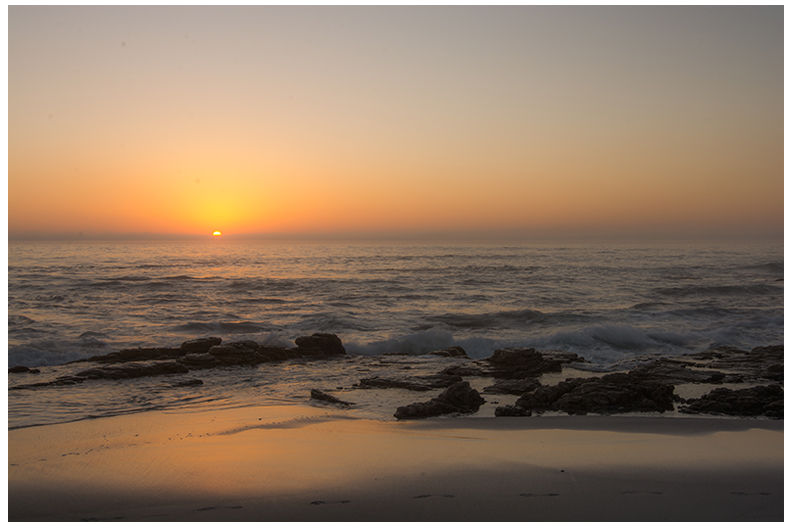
(413, 383)
(519, 363)
(761, 363)
(610, 394)
(320, 345)
(458, 398)
(200, 345)
(762, 400)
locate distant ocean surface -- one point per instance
(605, 302)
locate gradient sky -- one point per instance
(535, 121)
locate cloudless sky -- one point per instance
(494, 121)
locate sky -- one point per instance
(520, 121)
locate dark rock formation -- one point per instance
(19, 369)
(454, 351)
(669, 370)
(612, 393)
(765, 362)
(458, 398)
(200, 345)
(511, 410)
(159, 368)
(762, 400)
(512, 386)
(413, 383)
(463, 370)
(328, 398)
(320, 345)
(136, 354)
(519, 363)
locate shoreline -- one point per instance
(306, 463)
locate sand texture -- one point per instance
(304, 463)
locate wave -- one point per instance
(770, 267)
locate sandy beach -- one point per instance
(309, 463)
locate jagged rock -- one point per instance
(762, 400)
(329, 398)
(454, 351)
(200, 345)
(511, 410)
(413, 383)
(612, 393)
(512, 386)
(528, 363)
(320, 344)
(458, 398)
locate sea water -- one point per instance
(611, 303)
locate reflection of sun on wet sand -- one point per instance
(295, 463)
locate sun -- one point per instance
(217, 233)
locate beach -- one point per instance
(316, 463)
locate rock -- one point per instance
(320, 344)
(237, 353)
(323, 396)
(413, 383)
(761, 363)
(271, 353)
(511, 410)
(512, 386)
(518, 363)
(200, 345)
(458, 398)
(135, 354)
(454, 351)
(133, 371)
(463, 370)
(665, 370)
(18, 369)
(762, 400)
(610, 394)
(200, 361)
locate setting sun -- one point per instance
(217, 233)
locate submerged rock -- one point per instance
(458, 398)
(133, 371)
(413, 383)
(329, 398)
(762, 400)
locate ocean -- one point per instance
(612, 303)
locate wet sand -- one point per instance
(305, 463)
